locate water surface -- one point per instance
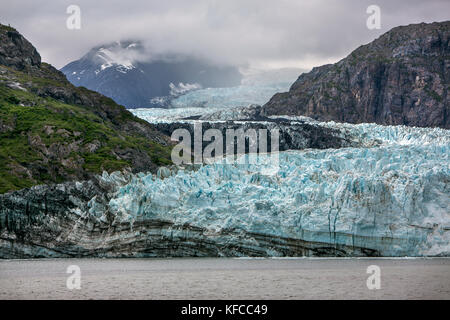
(225, 278)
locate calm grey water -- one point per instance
(216, 278)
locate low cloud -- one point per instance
(265, 34)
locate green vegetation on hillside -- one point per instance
(45, 140)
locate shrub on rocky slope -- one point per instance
(52, 131)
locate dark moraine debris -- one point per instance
(294, 135)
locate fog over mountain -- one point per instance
(284, 33)
(134, 77)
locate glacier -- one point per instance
(386, 193)
(257, 87)
(219, 98)
(393, 198)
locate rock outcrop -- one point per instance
(52, 131)
(16, 51)
(400, 78)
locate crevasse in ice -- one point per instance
(394, 198)
(395, 135)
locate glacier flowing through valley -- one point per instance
(257, 87)
(337, 190)
(393, 198)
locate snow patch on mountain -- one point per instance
(115, 58)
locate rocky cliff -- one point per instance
(400, 78)
(16, 51)
(52, 131)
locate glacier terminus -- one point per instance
(386, 194)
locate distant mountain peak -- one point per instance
(51, 131)
(126, 72)
(120, 55)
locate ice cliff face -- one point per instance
(388, 200)
(392, 199)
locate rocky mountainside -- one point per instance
(121, 71)
(52, 131)
(400, 78)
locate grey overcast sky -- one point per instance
(261, 33)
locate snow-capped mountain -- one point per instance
(125, 72)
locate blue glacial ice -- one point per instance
(257, 87)
(158, 115)
(394, 198)
(214, 98)
(210, 100)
